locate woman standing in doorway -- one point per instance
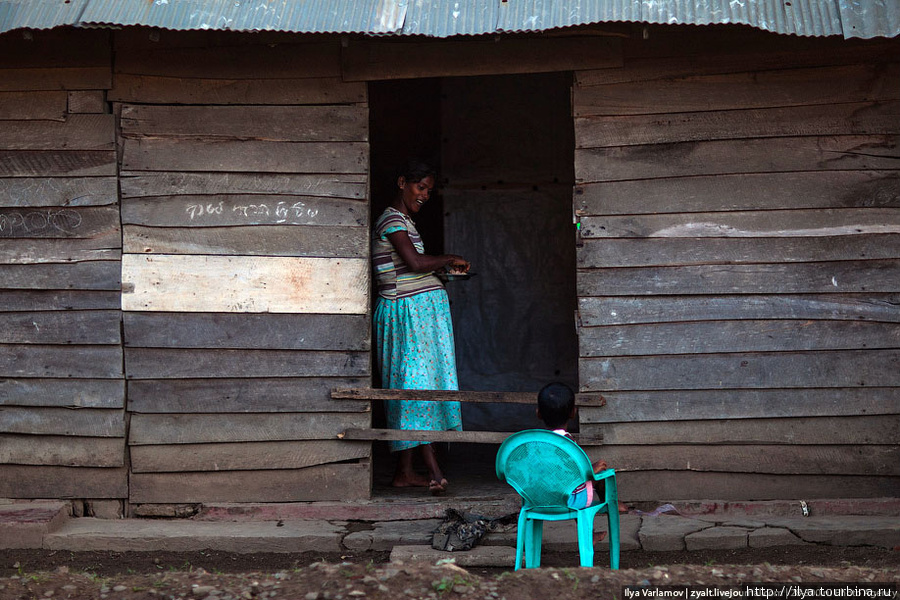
(413, 331)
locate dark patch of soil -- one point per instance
(42, 575)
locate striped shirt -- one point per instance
(393, 277)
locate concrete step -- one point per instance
(24, 524)
(125, 535)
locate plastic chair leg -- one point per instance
(586, 539)
(520, 539)
(613, 521)
(534, 533)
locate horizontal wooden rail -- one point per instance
(472, 437)
(587, 399)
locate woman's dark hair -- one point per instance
(555, 402)
(414, 170)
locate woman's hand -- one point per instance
(422, 263)
(457, 265)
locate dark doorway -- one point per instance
(505, 150)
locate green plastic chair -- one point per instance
(544, 468)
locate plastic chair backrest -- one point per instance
(543, 467)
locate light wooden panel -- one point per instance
(749, 191)
(322, 482)
(796, 459)
(41, 481)
(230, 185)
(689, 405)
(55, 191)
(147, 429)
(69, 393)
(81, 422)
(62, 450)
(608, 310)
(248, 456)
(244, 284)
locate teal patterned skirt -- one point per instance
(415, 351)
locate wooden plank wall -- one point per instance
(62, 397)
(244, 164)
(739, 277)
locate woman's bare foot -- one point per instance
(413, 480)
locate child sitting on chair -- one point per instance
(556, 405)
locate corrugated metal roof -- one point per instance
(446, 18)
(39, 14)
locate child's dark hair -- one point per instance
(555, 403)
(416, 170)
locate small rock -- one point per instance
(62, 570)
(460, 589)
(119, 588)
(48, 593)
(202, 590)
(311, 596)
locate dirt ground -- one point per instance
(309, 576)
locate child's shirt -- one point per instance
(583, 495)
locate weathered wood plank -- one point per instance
(182, 283)
(239, 61)
(66, 393)
(277, 395)
(613, 310)
(660, 252)
(156, 363)
(468, 437)
(823, 430)
(212, 428)
(858, 118)
(324, 482)
(703, 337)
(767, 224)
(370, 394)
(243, 209)
(788, 278)
(754, 89)
(89, 101)
(259, 331)
(252, 240)
(34, 251)
(163, 154)
(65, 451)
(48, 106)
(63, 327)
(845, 152)
(28, 300)
(659, 486)
(139, 185)
(167, 90)
(380, 60)
(58, 222)
(752, 191)
(26, 360)
(77, 132)
(57, 78)
(77, 422)
(58, 191)
(650, 61)
(58, 47)
(94, 275)
(32, 481)
(752, 458)
(689, 405)
(36, 163)
(273, 123)
(844, 368)
(246, 456)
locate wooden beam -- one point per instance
(40, 481)
(380, 60)
(369, 394)
(58, 191)
(469, 437)
(65, 393)
(231, 188)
